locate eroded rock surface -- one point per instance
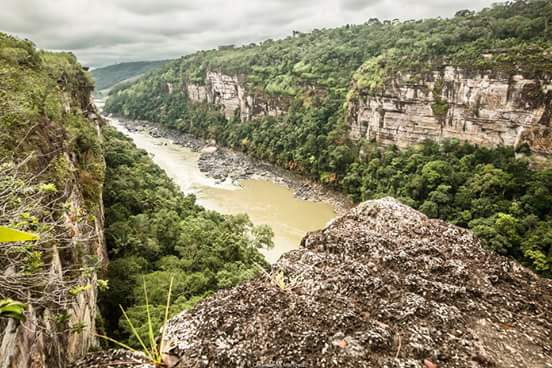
(229, 94)
(481, 108)
(382, 286)
(114, 359)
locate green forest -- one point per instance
(154, 232)
(491, 191)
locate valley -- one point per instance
(264, 193)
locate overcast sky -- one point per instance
(102, 32)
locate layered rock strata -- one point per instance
(488, 109)
(230, 95)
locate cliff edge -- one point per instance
(382, 286)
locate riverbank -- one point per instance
(224, 164)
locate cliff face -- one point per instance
(382, 286)
(57, 332)
(228, 93)
(52, 176)
(484, 109)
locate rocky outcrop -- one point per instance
(114, 359)
(382, 286)
(481, 108)
(230, 95)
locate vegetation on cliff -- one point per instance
(490, 191)
(154, 232)
(51, 166)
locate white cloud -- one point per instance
(102, 32)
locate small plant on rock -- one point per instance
(153, 350)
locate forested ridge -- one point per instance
(507, 37)
(491, 191)
(110, 75)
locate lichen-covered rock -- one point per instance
(114, 359)
(489, 109)
(382, 286)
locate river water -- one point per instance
(265, 202)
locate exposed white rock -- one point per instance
(482, 109)
(230, 95)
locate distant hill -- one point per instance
(108, 76)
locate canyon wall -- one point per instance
(480, 108)
(56, 276)
(229, 94)
(487, 109)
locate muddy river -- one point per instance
(265, 202)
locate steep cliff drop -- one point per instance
(51, 181)
(230, 94)
(382, 286)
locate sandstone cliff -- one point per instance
(488, 109)
(229, 94)
(382, 286)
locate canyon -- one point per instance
(432, 127)
(232, 183)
